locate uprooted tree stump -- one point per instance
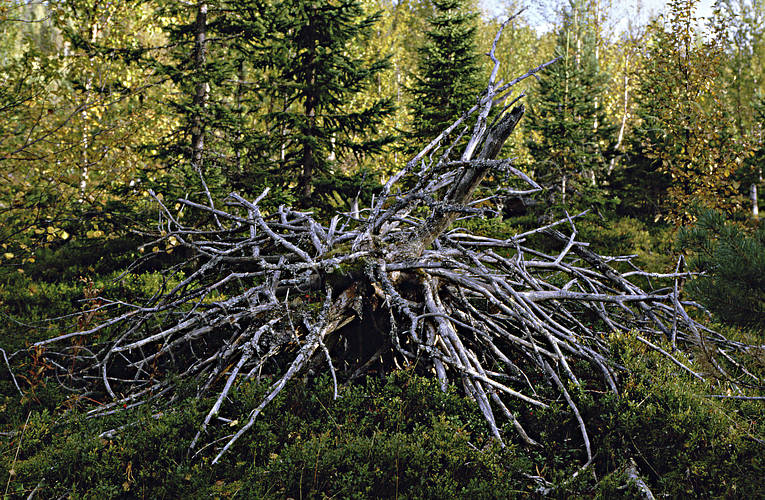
(280, 295)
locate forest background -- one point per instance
(647, 121)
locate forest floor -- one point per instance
(387, 435)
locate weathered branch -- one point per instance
(274, 296)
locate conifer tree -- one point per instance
(732, 264)
(314, 73)
(448, 67)
(569, 143)
(198, 69)
(640, 182)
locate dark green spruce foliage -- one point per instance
(315, 73)
(449, 72)
(733, 286)
(640, 181)
(201, 69)
(569, 139)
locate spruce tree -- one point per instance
(315, 71)
(448, 68)
(731, 261)
(640, 181)
(188, 98)
(569, 144)
(198, 68)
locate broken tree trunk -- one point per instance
(470, 174)
(276, 296)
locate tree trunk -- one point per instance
(309, 157)
(755, 205)
(465, 184)
(308, 162)
(239, 132)
(201, 92)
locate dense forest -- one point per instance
(373, 248)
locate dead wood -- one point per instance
(273, 296)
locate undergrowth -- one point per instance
(400, 436)
(396, 436)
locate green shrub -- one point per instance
(32, 303)
(684, 443)
(733, 263)
(400, 436)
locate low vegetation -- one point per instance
(399, 436)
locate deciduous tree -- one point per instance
(687, 130)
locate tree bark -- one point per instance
(755, 204)
(199, 100)
(465, 184)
